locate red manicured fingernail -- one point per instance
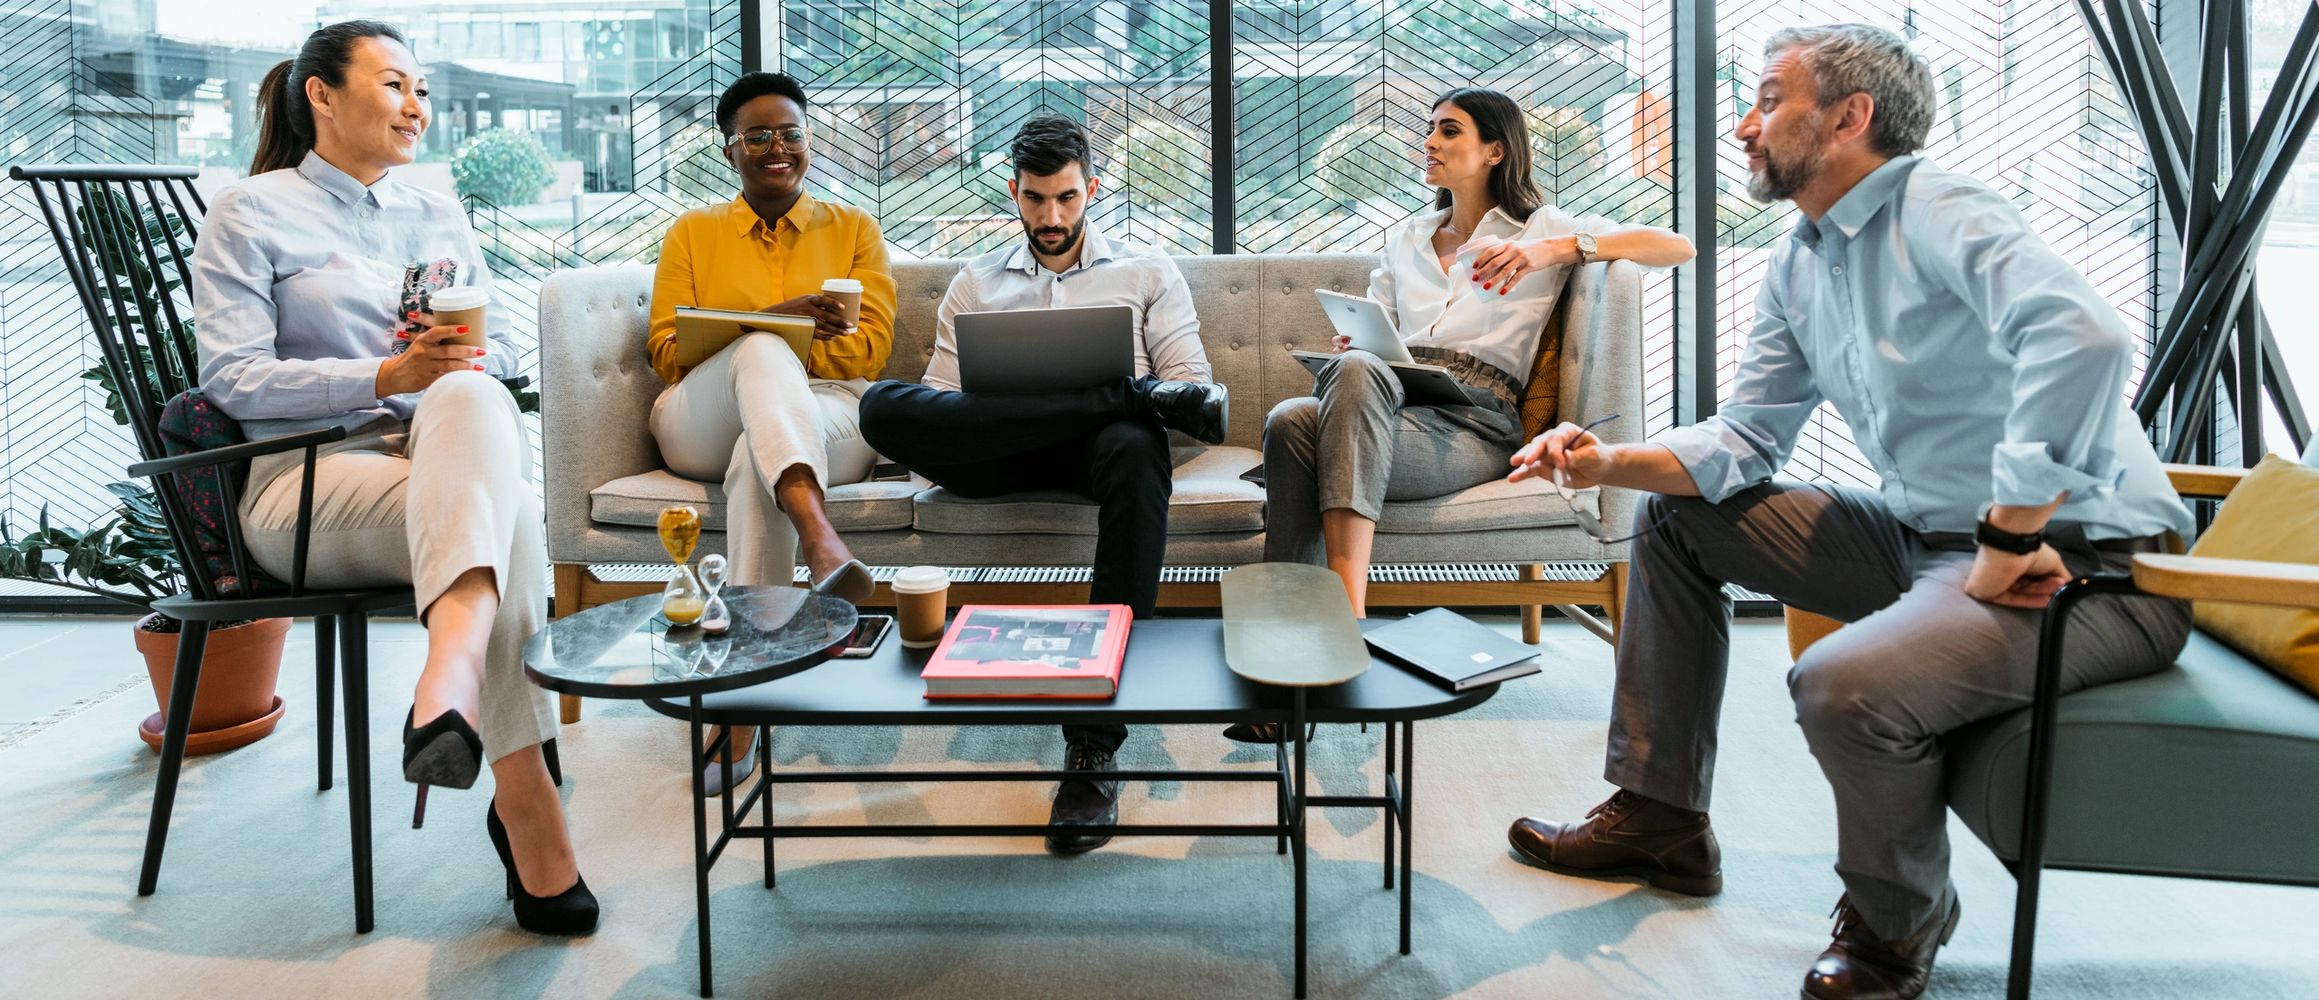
(399, 335)
(1485, 286)
(476, 367)
(462, 329)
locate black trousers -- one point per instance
(1102, 444)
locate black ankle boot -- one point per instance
(570, 912)
(446, 751)
(1200, 409)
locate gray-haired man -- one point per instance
(1983, 379)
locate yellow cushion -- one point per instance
(2272, 515)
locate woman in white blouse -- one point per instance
(307, 291)
(1469, 288)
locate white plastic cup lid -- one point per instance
(920, 580)
(841, 285)
(457, 297)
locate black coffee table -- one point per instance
(1175, 673)
(626, 650)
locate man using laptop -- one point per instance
(1105, 442)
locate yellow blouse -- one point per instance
(725, 257)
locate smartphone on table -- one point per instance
(869, 630)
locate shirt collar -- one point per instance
(1094, 250)
(1869, 196)
(745, 218)
(326, 175)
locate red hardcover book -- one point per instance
(1031, 651)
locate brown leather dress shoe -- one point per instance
(1857, 966)
(1628, 836)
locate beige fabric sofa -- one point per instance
(1495, 544)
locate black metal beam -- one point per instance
(752, 36)
(1223, 157)
(1698, 113)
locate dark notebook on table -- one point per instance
(1455, 651)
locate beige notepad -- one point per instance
(701, 333)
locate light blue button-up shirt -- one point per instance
(1972, 363)
(297, 291)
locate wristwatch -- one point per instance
(1991, 536)
(1586, 248)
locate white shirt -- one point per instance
(1449, 311)
(1167, 332)
(297, 283)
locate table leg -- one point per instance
(765, 801)
(700, 840)
(1409, 829)
(1392, 813)
(1297, 828)
(1280, 796)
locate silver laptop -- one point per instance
(1043, 350)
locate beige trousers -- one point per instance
(422, 504)
(744, 416)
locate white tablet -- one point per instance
(1363, 321)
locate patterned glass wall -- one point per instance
(2025, 105)
(914, 102)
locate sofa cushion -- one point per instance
(1493, 506)
(2271, 516)
(1210, 497)
(2215, 738)
(637, 500)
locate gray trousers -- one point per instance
(1919, 658)
(1352, 445)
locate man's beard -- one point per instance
(1070, 239)
(1779, 181)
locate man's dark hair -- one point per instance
(1048, 143)
(750, 87)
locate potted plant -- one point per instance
(129, 557)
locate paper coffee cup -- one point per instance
(848, 291)
(461, 305)
(921, 603)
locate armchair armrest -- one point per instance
(236, 452)
(2203, 481)
(2242, 581)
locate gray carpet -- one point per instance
(254, 899)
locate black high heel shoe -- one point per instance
(446, 751)
(570, 912)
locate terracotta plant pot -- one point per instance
(239, 666)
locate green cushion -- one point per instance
(2209, 769)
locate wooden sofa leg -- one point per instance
(571, 598)
(1533, 615)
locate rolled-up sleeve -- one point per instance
(2070, 351)
(1752, 432)
(1171, 329)
(235, 326)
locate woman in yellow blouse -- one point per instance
(774, 429)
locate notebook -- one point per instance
(1054, 651)
(701, 333)
(1455, 651)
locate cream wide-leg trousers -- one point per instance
(747, 414)
(421, 504)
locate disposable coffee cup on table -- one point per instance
(462, 305)
(848, 291)
(921, 603)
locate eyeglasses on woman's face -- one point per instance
(759, 141)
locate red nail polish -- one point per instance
(477, 367)
(1485, 286)
(462, 329)
(399, 335)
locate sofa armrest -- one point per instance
(1602, 368)
(2203, 481)
(2239, 581)
(596, 389)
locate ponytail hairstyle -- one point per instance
(1499, 120)
(285, 117)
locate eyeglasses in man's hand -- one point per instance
(1587, 520)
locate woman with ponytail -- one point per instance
(311, 289)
